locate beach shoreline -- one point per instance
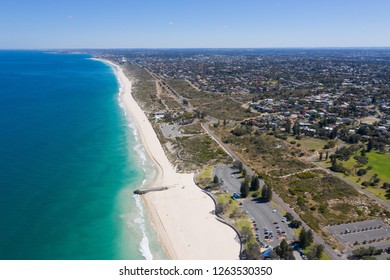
(182, 215)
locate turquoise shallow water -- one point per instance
(69, 161)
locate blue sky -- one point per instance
(30, 24)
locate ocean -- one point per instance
(69, 163)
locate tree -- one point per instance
(305, 238)
(296, 129)
(365, 253)
(220, 208)
(316, 252)
(284, 251)
(246, 233)
(244, 189)
(244, 172)
(327, 155)
(361, 172)
(310, 236)
(216, 180)
(370, 145)
(338, 167)
(333, 133)
(252, 252)
(289, 216)
(224, 122)
(240, 166)
(269, 194)
(287, 126)
(255, 183)
(302, 240)
(319, 249)
(295, 223)
(266, 193)
(321, 153)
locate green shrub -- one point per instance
(361, 172)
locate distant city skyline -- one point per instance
(54, 24)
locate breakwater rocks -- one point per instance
(141, 192)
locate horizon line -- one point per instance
(189, 48)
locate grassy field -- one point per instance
(205, 177)
(312, 144)
(380, 164)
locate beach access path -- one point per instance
(183, 216)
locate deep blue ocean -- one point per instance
(69, 162)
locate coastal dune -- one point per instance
(181, 215)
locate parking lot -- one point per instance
(268, 221)
(170, 131)
(373, 232)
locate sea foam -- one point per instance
(144, 247)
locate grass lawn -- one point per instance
(380, 164)
(323, 255)
(378, 191)
(297, 231)
(206, 173)
(310, 143)
(230, 204)
(224, 198)
(244, 223)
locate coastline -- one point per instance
(180, 215)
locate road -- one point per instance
(226, 148)
(229, 178)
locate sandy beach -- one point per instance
(182, 214)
